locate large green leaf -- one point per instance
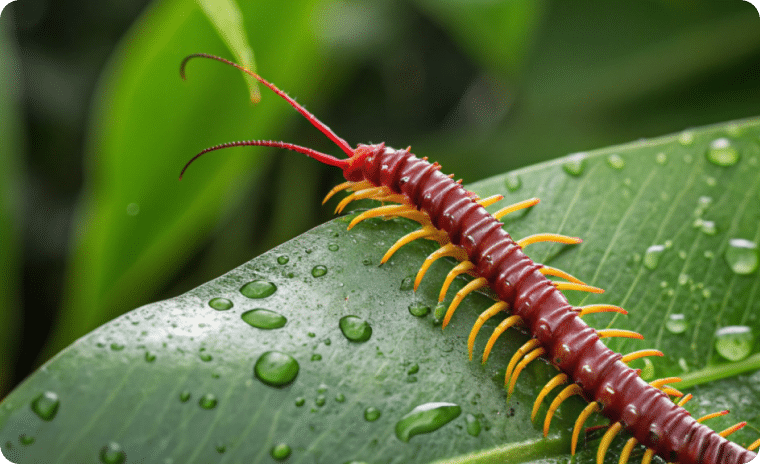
(139, 384)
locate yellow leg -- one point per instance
(484, 316)
(417, 216)
(566, 393)
(387, 210)
(559, 379)
(557, 238)
(685, 399)
(500, 329)
(425, 232)
(713, 415)
(755, 445)
(553, 271)
(447, 250)
(579, 287)
(600, 308)
(626, 453)
(490, 200)
(522, 351)
(473, 285)
(371, 192)
(732, 429)
(516, 207)
(591, 408)
(641, 354)
(648, 455)
(526, 360)
(606, 333)
(460, 268)
(606, 441)
(353, 186)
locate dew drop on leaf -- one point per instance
(676, 323)
(112, 454)
(220, 304)
(426, 418)
(575, 164)
(45, 405)
(473, 425)
(371, 414)
(652, 256)
(419, 310)
(513, 182)
(616, 161)
(319, 270)
(283, 259)
(280, 452)
(741, 256)
(264, 319)
(734, 342)
(258, 289)
(355, 328)
(208, 401)
(275, 368)
(722, 152)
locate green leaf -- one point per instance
(174, 380)
(135, 217)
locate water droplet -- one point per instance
(419, 310)
(706, 227)
(413, 369)
(258, 289)
(683, 279)
(320, 401)
(26, 440)
(513, 182)
(117, 347)
(734, 342)
(184, 396)
(367, 261)
(205, 357)
(150, 357)
(283, 259)
(652, 256)
(575, 164)
(473, 425)
(722, 152)
(300, 401)
(661, 158)
(280, 452)
(319, 271)
(676, 323)
(276, 369)
(208, 401)
(407, 284)
(220, 304)
(686, 138)
(371, 414)
(355, 328)
(426, 418)
(616, 161)
(311, 334)
(333, 247)
(46, 405)
(316, 357)
(112, 454)
(220, 448)
(264, 319)
(741, 256)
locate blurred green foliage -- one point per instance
(482, 87)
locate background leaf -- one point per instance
(137, 384)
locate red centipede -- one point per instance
(651, 412)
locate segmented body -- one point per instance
(459, 222)
(646, 412)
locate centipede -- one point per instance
(652, 413)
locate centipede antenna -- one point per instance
(321, 157)
(310, 117)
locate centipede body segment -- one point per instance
(416, 189)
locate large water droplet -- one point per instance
(283, 259)
(26, 440)
(258, 289)
(112, 454)
(276, 369)
(575, 164)
(355, 328)
(652, 256)
(473, 425)
(513, 182)
(676, 323)
(333, 247)
(46, 405)
(407, 284)
(220, 304)
(426, 418)
(280, 452)
(734, 342)
(319, 271)
(616, 161)
(371, 414)
(419, 310)
(722, 152)
(264, 319)
(208, 401)
(741, 256)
